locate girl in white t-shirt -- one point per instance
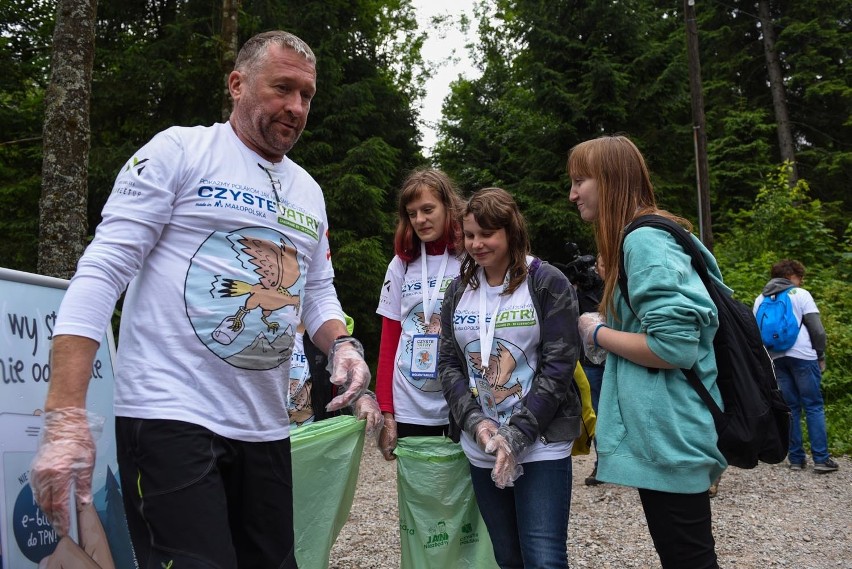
(509, 346)
(424, 264)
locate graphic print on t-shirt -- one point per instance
(243, 292)
(299, 404)
(300, 409)
(507, 369)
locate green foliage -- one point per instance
(157, 65)
(26, 29)
(738, 157)
(19, 203)
(785, 223)
(814, 38)
(355, 191)
(812, 43)
(838, 417)
(555, 74)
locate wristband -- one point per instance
(595, 335)
(342, 340)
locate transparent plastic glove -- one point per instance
(506, 469)
(388, 437)
(507, 445)
(65, 458)
(366, 408)
(485, 430)
(348, 370)
(587, 324)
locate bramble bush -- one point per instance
(785, 223)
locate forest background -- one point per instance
(553, 74)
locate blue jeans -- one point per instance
(799, 381)
(527, 522)
(595, 376)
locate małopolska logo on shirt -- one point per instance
(243, 292)
(229, 195)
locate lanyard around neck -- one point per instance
(428, 299)
(486, 332)
(276, 185)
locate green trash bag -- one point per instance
(439, 521)
(326, 457)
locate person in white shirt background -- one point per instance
(799, 369)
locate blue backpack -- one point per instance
(777, 323)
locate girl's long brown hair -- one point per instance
(406, 243)
(494, 209)
(625, 192)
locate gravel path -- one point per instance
(762, 518)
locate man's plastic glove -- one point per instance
(65, 458)
(588, 325)
(388, 437)
(507, 445)
(348, 370)
(366, 407)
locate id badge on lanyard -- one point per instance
(486, 341)
(424, 356)
(424, 352)
(486, 397)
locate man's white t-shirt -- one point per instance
(223, 270)
(416, 401)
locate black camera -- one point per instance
(580, 269)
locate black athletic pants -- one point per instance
(194, 499)
(680, 525)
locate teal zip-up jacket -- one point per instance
(653, 430)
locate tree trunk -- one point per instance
(230, 25)
(776, 87)
(64, 195)
(702, 170)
